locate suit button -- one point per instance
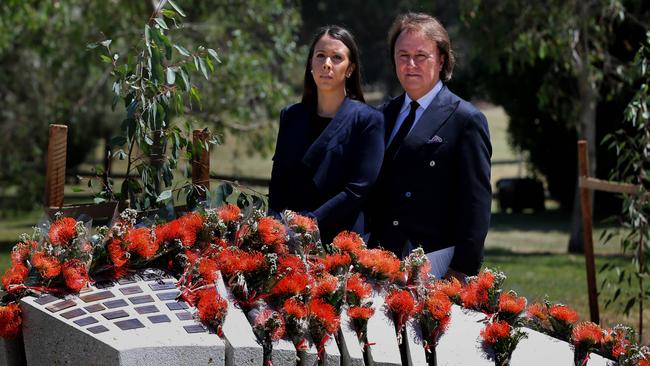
(407, 194)
(432, 163)
(395, 223)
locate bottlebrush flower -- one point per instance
(272, 233)
(75, 274)
(117, 253)
(228, 213)
(14, 275)
(62, 231)
(302, 224)
(208, 270)
(10, 320)
(324, 287)
(141, 242)
(291, 263)
(290, 285)
(212, 308)
(537, 311)
(617, 341)
(485, 280)
(47, 265)
(510, 306)
(359, 316)
(402, 305)
(503, 339)
(451, 287)
(474, 296)
(332, 263)
(20, 251)
(380, 264)
(357, 289)
(495, 332)
(233, 261)
(324, 315)
(587, 335)
(435, 315)
(270, 324)
(294, 308)
(563, 313)
(350, 242)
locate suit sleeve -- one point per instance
(277, 195)
(475, 195)
(362, 171)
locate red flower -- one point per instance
(644, 362)
(294, 308)
(402, 304)
(348, 241)
(117, 253)
(184, 229)
(290, 285)
(485, 280)
(208, 270)
(587, 334)
(62, 231)
(302, 224)
(451, 287)
(537, 311)
(333, 262)
(356, 287)
(324, 314)
(438, 305)
(228, 213)
(380, 263)
(140, 241)
(563, 314)
(510, 304)
(291, 263)
(10, 320)
(212, 308)
(233, 260)
(75, 274)
(14, 275)
(21, 251)
(360, 313)
(473, 296)
(47, 265)
(272, 323)
(495, 331)
(192, 256)
(324, 287)
(272, 233)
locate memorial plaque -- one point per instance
(162, 286)
(97, 296)
(46, 299)
(162, 318)
(98, 329)
(184, 315)
(126, 280)
(131, 290)
(178, 305)
(136, 300)
(94, 308)
(115, 314)
(194, 328)
(85, 321)
(61, 305)
(115, 304)
(165, 296)
(73, 313)
(129, 324)
(148, 309)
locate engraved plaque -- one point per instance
(96, 296)
(135, 300)
(94, 308)
(148, 309)
(61, 305)
(178, 305)
(98, 329)
(164, 296)
(131, 290)
(73, 313)
(129, 324)
(115, 303)
(184, 315)
(162, 318)
(162, 286)
(115, 314)
(85, 321)
(46, 299)
(126, 280)
(194, 328)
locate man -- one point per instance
(434, 187)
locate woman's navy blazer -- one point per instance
(343, 162)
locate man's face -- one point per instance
(417, 63)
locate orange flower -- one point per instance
(233, 260)
(358, 288)
(324, 287)
(10, 320)
(291, 263)
(75, 274)
(302, 224)
(290, 285)
(563, 314)
(228, 213)
(21, 251)
(208, 270)
(62, 231)
(450, 287)
(333, 262)
(473, 296)
(117, 253)
(192, 256)
(272, 233)
(212, 308)
(360, 312)
(537, 311)
(294, 308)
(485, 280)
(401, 302)
(47, 265)
(644, 362)
(587, 334)
(348, 241)
(380, 263)
(324, 314)
(438, 305)
(495, 331)
(140, 241)
(510, 304)
(14, 275)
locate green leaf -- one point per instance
(186, 79)
(97, 200)
(171, 76)
(117, 141)
(164, 195)
(106, 59)
(107, 44)
(177, 8)
(213, 53)
(161, 23)
(148, 140)
(77, 189)
(168, 13)
(203, 68)
(182, 50)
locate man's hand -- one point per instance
(460, 276)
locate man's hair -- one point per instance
(432, 29)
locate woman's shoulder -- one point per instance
(366, 114)
(293, 110)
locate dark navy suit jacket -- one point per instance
(343, 163)
(436, 190)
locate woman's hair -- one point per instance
(353, 83)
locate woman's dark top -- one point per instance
(324, 167)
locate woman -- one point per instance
(330, 145)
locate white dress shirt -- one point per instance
(424, 102)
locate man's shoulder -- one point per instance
(464, 106)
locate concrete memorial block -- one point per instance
(461, 344)
(242, 347)
(134, 321)
(332, 354)
(12, 351)
(416, 355)
(383, 349)
(308, 353)
(284, 353)
(351, 351)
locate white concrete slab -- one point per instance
(242, 347)
(308, 354)
(461, 345)
(332, 354)
(351, 350)
(383, 349)
(284, 353)
(414, 344)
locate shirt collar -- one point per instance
(425, 100)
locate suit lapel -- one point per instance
(433, 118)
(391, 111)
(312, 156)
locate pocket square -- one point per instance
(435, 140)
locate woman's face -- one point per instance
(330, 64)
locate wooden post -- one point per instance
(585, 205)
(55, 171)
(201, 161)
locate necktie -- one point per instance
(402, 132)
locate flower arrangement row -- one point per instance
(289, 283)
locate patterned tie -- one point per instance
(403, 131)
